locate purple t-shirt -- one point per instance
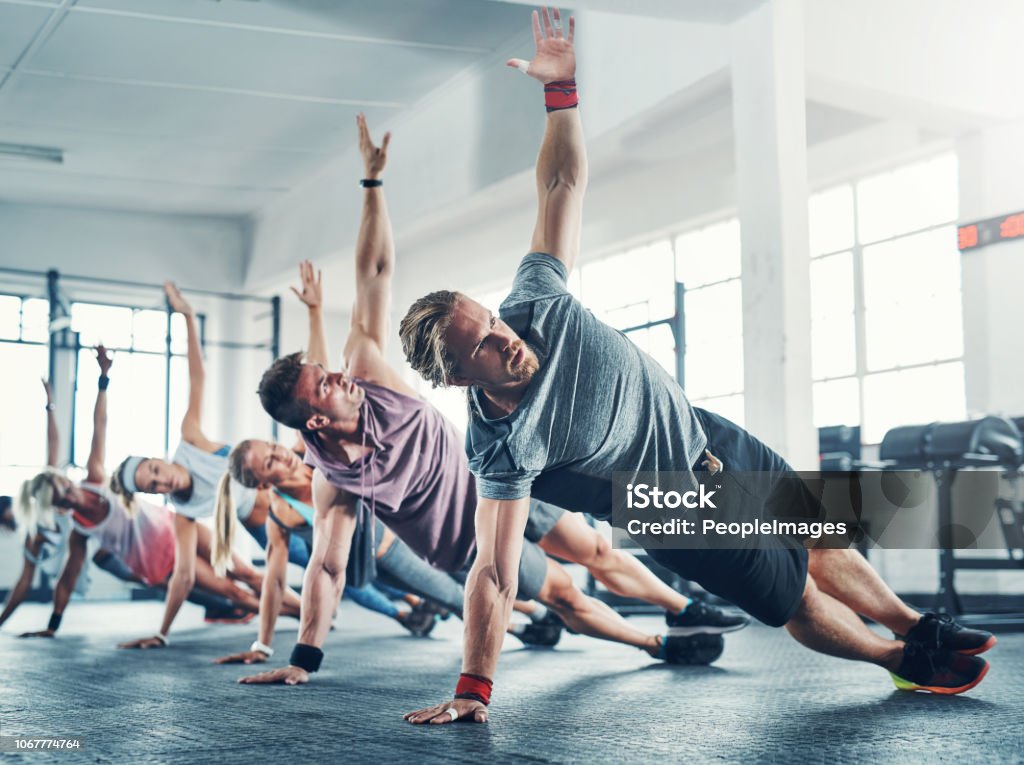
(416, 479)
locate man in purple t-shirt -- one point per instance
(379, 448)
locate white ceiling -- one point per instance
(215, 107)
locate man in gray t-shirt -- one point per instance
(561, 401)
(580, 418)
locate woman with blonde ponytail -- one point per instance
(287, 536)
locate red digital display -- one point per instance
(985, 232)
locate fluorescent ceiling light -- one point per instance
(33, 153)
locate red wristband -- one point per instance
(474, 686)
(560, 95)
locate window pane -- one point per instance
(149, 330)
(640, 280)
(830, 218)
(10, 317)
(912, 397)
(135, 419)
(659, 343)
(836, 402)
(907, 199)
(911, 267)
(22, 407)
(179, 400)
(451, 402)
(179, 333)
(109, 325)
(709, 254)
(832, 286)
(914, 310)
(35, 320)
(729, 407)
(714, 312)
(715, 368)
(833, 347)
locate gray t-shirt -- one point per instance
(597, 405)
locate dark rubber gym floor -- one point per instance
(767, 699)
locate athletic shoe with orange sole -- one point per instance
(228, 616)
(938, 671)
(941, 632)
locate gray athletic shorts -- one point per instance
(533, 564)
(543, 518)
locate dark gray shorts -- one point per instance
(542, 519)
(533, 564)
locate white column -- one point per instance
(991, 164)
(769, 114)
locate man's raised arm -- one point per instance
(562, 162)
(490, 594)
(375, 248)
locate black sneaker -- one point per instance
(940, 631)
(546, 633)
(701, 619)
(419, 621)
(233, 615)
(695, 649)
(938, 671)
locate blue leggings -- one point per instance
(298, 553)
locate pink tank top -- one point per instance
(144, 541)
(416, 479)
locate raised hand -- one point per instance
(175, 299)
(49, 390)
(312, 288)
(374, 157)
(104, 359)
(555, 59)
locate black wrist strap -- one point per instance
(104, 382)
(55, 620)
(308, 657)
(473, 696)
(371, 183)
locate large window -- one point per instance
(886, 315)
(138, 392)
(25, 361)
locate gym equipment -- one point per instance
(945, 449)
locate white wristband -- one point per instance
(162, 638)
(258, 646)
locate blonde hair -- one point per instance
(35, 507)
(422, 331)
(225, 523)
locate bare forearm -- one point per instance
(488, 610)
(62, 592)
(317, 352)
(375, 247)
(274, 583)
(196, 373)
(18, 593)
(563, 154)
(177, 591)
(320, 594)
(99, 429)
(52, 438)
